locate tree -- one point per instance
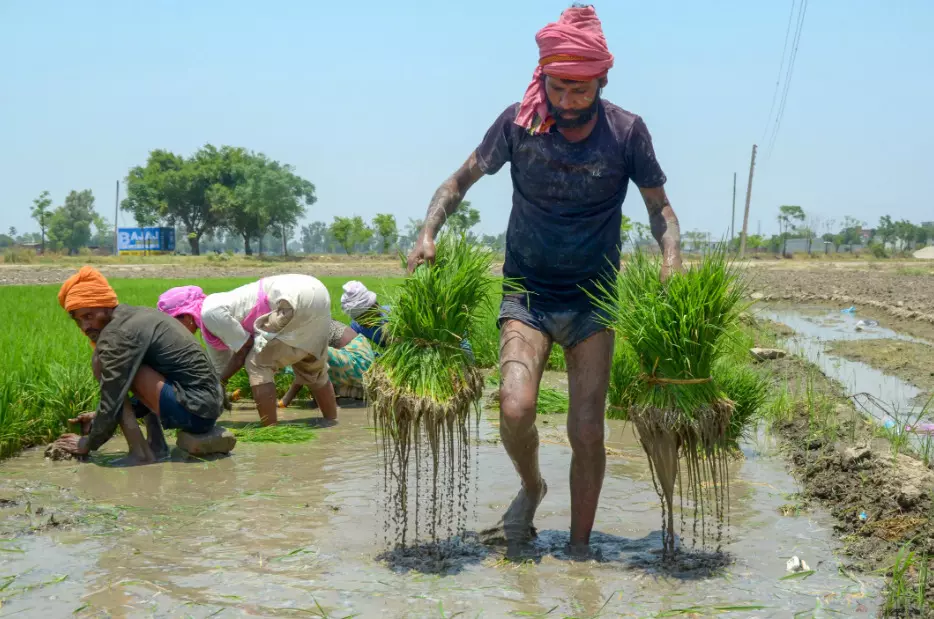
(496, 243)
(385, 225)
(886, 230)
(260, 194)
(922, 235)
(12, 232)
(625, 227)
(316, 238)
(755, 242)
(350, 232)
(905, 232)
(104, 234)
(70, 224)
(787, 216)
(180, 190)
(463, 218)
(410, 236)
(40, 212)
(641, 232)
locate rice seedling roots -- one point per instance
(694, 455)
(437, 435)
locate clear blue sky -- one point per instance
(377, 102)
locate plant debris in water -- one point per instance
(676, 331)
(422, 388)
(282, 433)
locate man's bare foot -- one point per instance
(580, 551)
(517, 521)
(132, 460)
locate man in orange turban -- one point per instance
(143, 350)
(572, 155)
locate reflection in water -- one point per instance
(815, 327)
(276, 530)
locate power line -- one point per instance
(778, 78)
(802, 11)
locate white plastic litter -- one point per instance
(795, 565)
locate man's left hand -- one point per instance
(74, 444)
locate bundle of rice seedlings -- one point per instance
(748, 392)
(677, 330)
(423, 386)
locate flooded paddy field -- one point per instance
(295, 530)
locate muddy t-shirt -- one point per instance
(564, 228)
(145, 336)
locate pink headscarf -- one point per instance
(574, 48)
(187, 300)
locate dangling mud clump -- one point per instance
(438, 435)
(695, 454)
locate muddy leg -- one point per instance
(265, 397)
(523, 354)
(140, 453)
(588, 379)
(157, 444)
(294, 388)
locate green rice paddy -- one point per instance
(46, 361)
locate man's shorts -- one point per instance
(172, 415)
(565, 328)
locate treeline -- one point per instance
(67, 228)
(218, 191)
(813, 232)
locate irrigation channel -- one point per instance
(296, 530)
(815, 327)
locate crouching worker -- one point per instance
(349, 357)
(141, 350)
(263, 327)
(369, 317)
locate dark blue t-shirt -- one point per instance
(564, 228)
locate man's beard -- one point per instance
(582, 117)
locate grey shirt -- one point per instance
(139, 336)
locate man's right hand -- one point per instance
(422, 253)
(84, 420)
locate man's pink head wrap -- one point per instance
(181, 301)
(574, 48)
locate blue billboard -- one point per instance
(145, 240)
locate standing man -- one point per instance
(573, 155)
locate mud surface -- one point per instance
(881, 498)
(913, 362)
(294, 530)
(905, 293)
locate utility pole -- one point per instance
(742, 241)
(733, 217)
(116, 211)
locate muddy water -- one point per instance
(815, 326)
(276, 530)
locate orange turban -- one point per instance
(86, 288)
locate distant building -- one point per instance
(927, 224)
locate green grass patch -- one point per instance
(46, 360)
(283, 433)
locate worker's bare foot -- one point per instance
(132, 460)
(517, 521)
(582, 551)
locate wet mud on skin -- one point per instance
(277, 530)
